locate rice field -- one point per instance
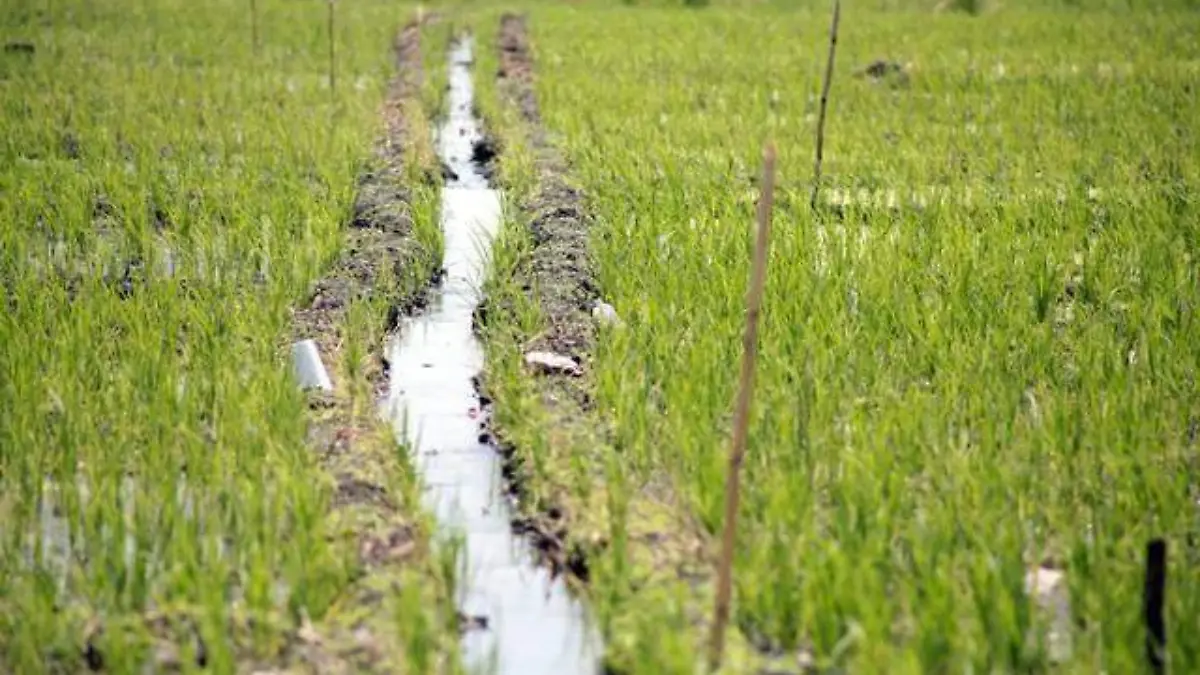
(174, 177)
(977, 359)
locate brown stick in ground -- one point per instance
(332, 52)
(737, 452)
(254, 26)
(833, 32)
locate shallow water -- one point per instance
(534, 626)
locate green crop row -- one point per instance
(173, 178)
(979, 355)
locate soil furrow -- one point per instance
(385, 269)
(559, 278)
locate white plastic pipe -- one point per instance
(309, 369)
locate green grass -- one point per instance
(154, 468)
(998, 370)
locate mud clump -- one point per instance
(879, 68)
(561, 270)
(882, 70)
(70, 146)
(468, 623)
(381, 203)
(484, 154)
(483, 151)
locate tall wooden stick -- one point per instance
(254, 25)
(741, 419)
(833, 31)
(332, 52)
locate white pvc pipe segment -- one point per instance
(306, 361)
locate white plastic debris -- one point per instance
(1042, 582)
(606, 314)
(309, 369)
(1048, 589)
(552, 364)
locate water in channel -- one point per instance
(533, 625)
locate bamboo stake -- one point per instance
(254, 25)
(332, 52)
(741, 418)
(833, 32)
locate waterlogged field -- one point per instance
(167, 192)
(977, 358)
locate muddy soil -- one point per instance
(380, 232)
(379, 236)
(561, 272)
(561, 278)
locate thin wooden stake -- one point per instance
(833, 32)
(332, 52)
(741, 419)
(254, 25)
(1153, 599)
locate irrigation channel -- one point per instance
(533, 624)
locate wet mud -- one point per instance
(560, 278)
(561, 272)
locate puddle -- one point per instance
(533, 625)
(58, 541)
(116, 265)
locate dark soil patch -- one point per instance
(516, 67)
(560, 277)
(881, 70)
(561, 271)
(483, 151)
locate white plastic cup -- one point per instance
(309, 370)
